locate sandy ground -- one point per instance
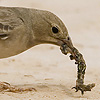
(44, 67)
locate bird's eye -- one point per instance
(55, 30)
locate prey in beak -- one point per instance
(67, 47)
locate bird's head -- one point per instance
(50, 29)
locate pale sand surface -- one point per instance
(44, 67)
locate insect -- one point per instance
(81, 67)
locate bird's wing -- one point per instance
(9, 21)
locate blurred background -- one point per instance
(82, 19)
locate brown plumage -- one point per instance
(23, 28)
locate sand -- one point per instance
(44, 67)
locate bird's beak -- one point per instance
(66, 45)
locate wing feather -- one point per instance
(8, 22)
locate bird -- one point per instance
(23, 28)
